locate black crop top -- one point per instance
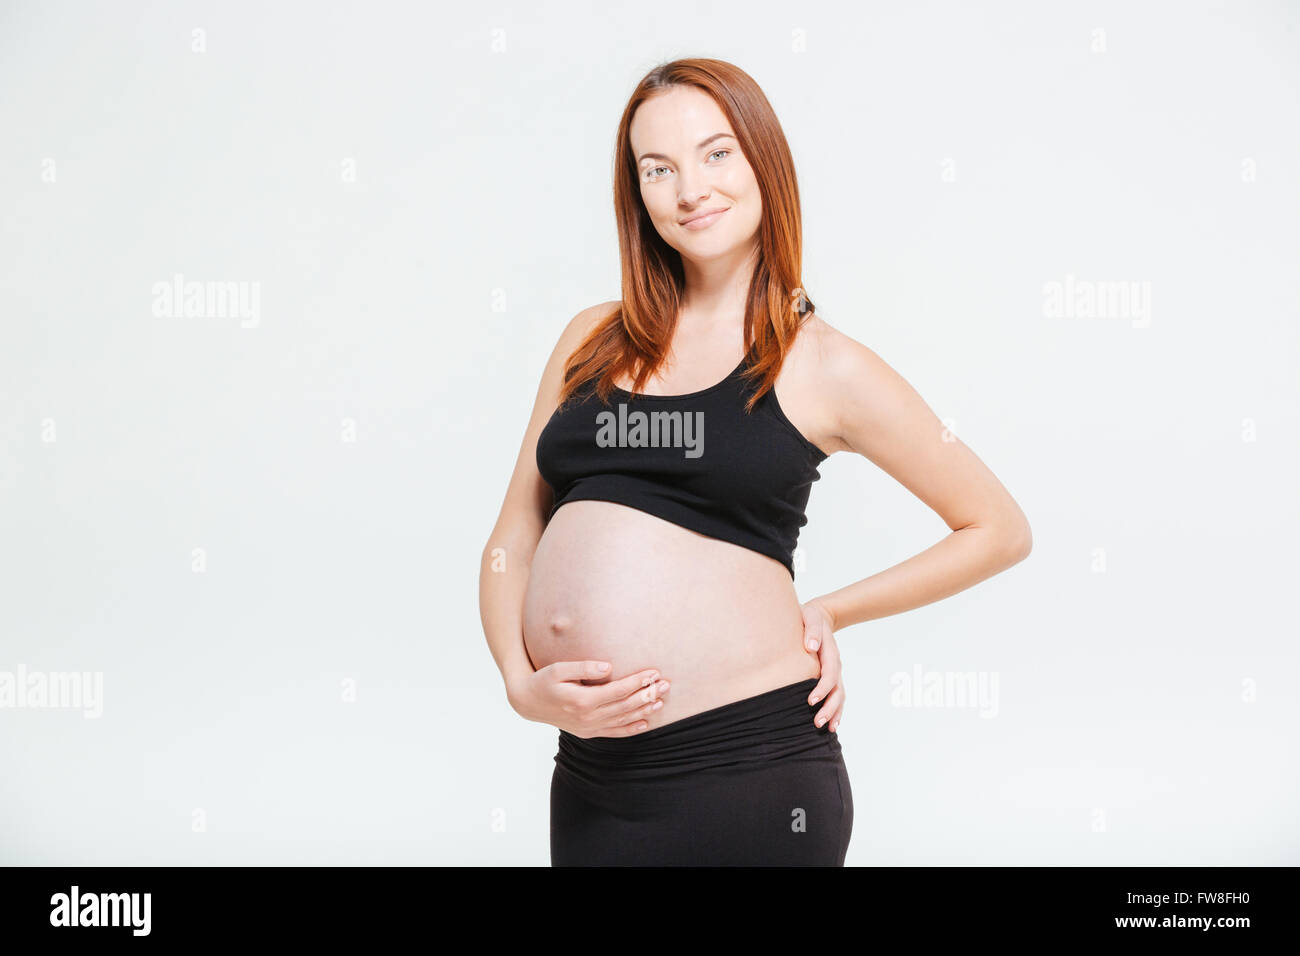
(697, 460)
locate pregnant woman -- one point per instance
(637, 591)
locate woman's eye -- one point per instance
(653, 172)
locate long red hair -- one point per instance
(636, 335)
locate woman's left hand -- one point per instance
(819, 639)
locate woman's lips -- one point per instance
(703, 222)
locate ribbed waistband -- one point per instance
(770, 725)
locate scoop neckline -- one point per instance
(704, 391)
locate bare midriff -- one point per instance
(720, 622)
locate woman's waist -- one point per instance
(774, 724)
(697, 682)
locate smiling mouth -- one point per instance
(703, 222)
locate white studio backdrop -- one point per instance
(252, 527)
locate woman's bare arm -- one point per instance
(503, 572)
(558, 693)
(881, 417)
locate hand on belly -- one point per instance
(611, 583)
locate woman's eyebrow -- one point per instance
(700, 145)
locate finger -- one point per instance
(620, 709)
(824, 686)
(625, 724)
(636, 719)
(816, 636)
(624, 688)
(588, 709)
(834, 725)
(834, 704)
(614, 691)
(626, 730)
(830, 675)
(579, 670)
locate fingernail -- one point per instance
(814, 700)
(814, 644)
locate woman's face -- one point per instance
(687, 170)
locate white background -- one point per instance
(953, 159)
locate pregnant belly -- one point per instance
(720, 622)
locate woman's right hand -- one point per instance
(617, 708)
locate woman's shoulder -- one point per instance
(822, 352)
(591, 318)
(602, 310)
(829, 376)
(582, 324)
